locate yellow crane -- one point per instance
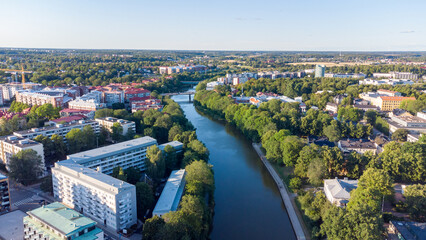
(22, 71)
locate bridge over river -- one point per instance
(189, 93)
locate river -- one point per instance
(248, 203)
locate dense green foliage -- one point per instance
(25, 166)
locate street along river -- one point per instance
(248, 203)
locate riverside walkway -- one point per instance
(297, 226)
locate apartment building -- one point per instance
(4, 193)
(126, 154)
(111, 97)
(358, 145)
(39, 98)
(414, 124)
(172, 193)
(108, 122)
(109, 201)
(182, 68)
(11, 145)
(319, 71)
(332, 107)
(392, 82)
(146, 104)
(57, 221)
(91, 102)
(235, 79)
(58, 129)
(132, 93)
(397, 75)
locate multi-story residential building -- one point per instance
(358, 145)
(345, 75)
(319, 71)
(67, 112)
(88, 105)
(1, 97)
(132, 93)
(235, 79)
(56, 221)
(390, 93)
(182, 68)
(11, 145)
(392, 82)
(277, 74)
(58, 129)
(107, 200)
(178, 146)
(108, 123)
(111, 97)
(4, 193)
(126, 154)
(146, 104)
(39, 98)
(338, 191)
(385, 100)
(171, 194)
(365, 107)
(397, 75)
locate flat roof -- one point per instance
(175, 144)
(41, 129)
(171, 194)
(95, 178)
(62, 218)
(87, 156)
(19, 141)
(12, 226)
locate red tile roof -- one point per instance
(69, 119)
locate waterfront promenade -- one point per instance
(295, 222)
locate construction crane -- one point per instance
(20, 71)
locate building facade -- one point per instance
(57, 221)
(319, 71)
(58, 129)
(109, 201)
(338, 191)
(4, 193)
(38, 98)
(11, 145)
(171, 194)
(126, 154)
(108, 123)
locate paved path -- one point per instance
(297, 226)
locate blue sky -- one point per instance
(338, 25)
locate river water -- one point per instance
(248, 203)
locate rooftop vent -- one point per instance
(34, 129)
(12, 138)
(24, 141)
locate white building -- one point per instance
(108, 122)
(397, 75)
(126, 154)
(58, 129)
(338, 191)
(332, 107)
(414, 124)
(392, 82)
(171, 194)
(235, 79)
(91, 102)
(111, 97)
(103, 198)
(358, 145)
(212, 85)
(57, 221)
(11, 145)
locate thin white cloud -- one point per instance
(410, 31)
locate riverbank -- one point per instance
(289, 205)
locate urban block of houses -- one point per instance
(385, 100)
(108, 123)
(182, 68)
(345, 75)
(338, 191)
(358, 145)
(414, 124)
(171, 194)
(235, 79)
(57, 221)
(145, 103)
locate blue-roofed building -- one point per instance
(172, 193)
(56, 221)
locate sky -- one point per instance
(298, 25)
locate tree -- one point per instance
(290, 147)
(198, 147)
(295, 183)
(26, 166)
(155, 167)
(415, 196)
(121, 175)
(89, 139)
(317, 171)
(76, 140)
(152, 228)
(332, 133)
(46, 185)
(105, 112)
(59, 146)
(400, 135)
(171, 158)
(199, 172)
(117, 132)
(306, 155)
(145, 198)
(133, 175)
(370, 116)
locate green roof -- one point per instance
(62, 218)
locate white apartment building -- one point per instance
(10, 90)
(332, 107)
(171, 194)
(126, 154)
(11, 145)
(392, 82)
(39, 98)
(235, 79)
(397, 75)
(108, 122)
(111, 97)
(89, 105)
(109, 201)
(58, 129)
